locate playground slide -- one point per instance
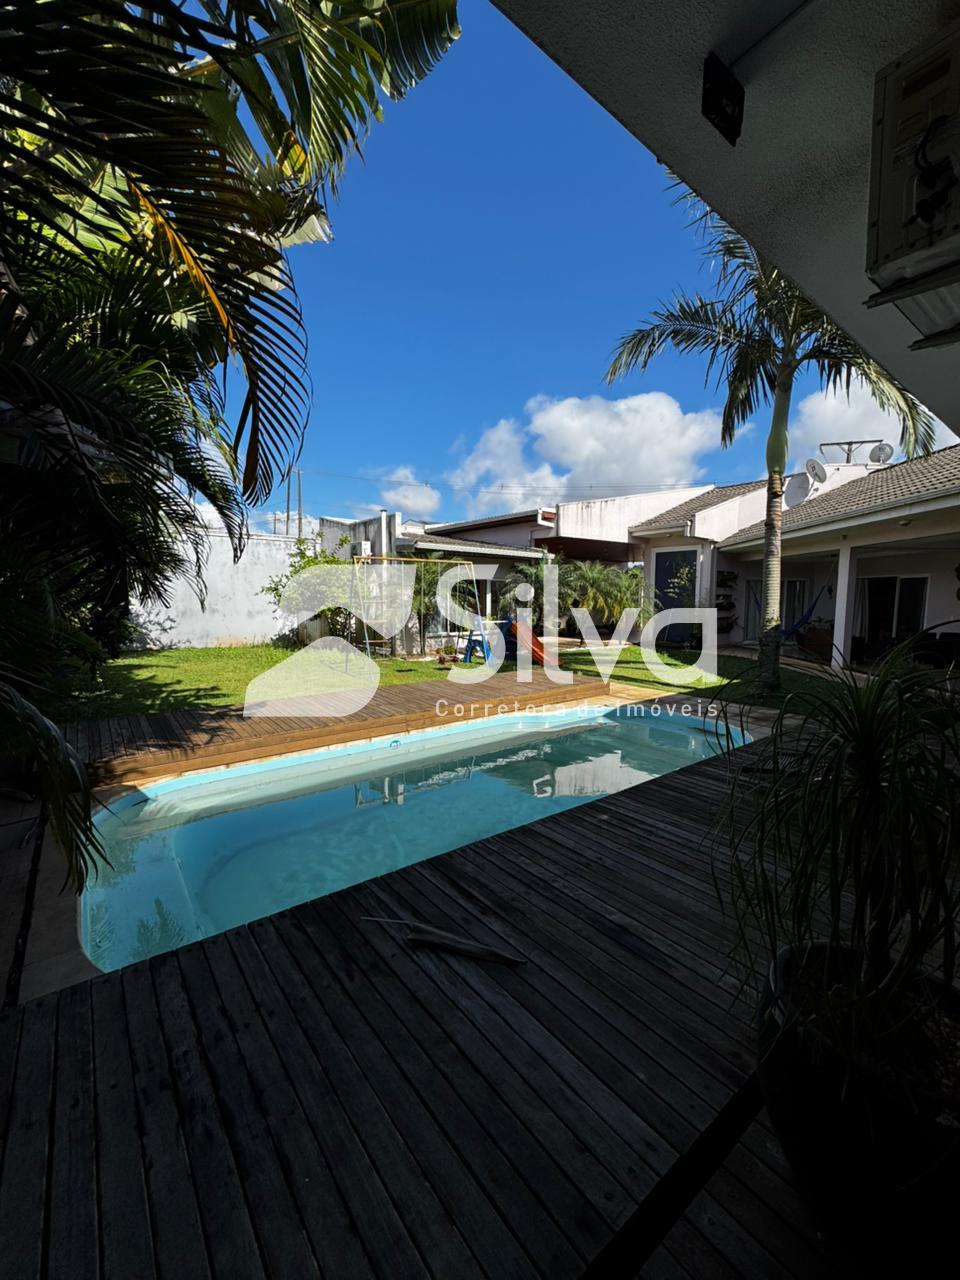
(525, 636)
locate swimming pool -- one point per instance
(194, 855)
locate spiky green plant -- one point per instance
(845, 836)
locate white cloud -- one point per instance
(828, 415)
(403, 492)
(276, 521)
(585, 447)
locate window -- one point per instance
(893, 610)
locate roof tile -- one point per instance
(904, 482)
(674, 516)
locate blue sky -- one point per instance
(498, 236)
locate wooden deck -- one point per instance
(310, 1096)
(134, 748)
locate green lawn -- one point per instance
(736, 677)
(165, 680)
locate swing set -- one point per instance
(476, 641)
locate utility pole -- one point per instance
(275, 524)
(287, 526)
(299, 504)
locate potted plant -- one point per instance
(845, 888)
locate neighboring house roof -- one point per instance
(436, 542)
(677, 517)
(905, 482)
(538, 514)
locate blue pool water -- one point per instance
(198, 854)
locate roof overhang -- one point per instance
(797, 182)
(476, 550)
(639, 532)
(946, 501)
(536, 515)
(573, 548)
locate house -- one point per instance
(875, 560)
(683, 539)
(514, 529)
(599, 528)
(459, 542)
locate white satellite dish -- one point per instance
(815, 470)
(881, 452)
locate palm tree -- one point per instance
(157, 159)
(532, 574)
(758, 333)
(144, 126)
(112, 428)
(599, 588)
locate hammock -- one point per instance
(787, 633)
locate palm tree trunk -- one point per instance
(768, 658)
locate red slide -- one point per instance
(525, 636)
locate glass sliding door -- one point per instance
(675, 587)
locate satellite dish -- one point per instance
(815, 470)
(881, 452)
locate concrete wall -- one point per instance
(235, 612)
(610, 519)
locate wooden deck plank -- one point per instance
(230, 1239)
(731, 1229)
(374, 989)
(629, 1146)
(280, 1228)
(174, 1214)
(333, 1234)
(133, 748)
(455, 1185)
(23, 1190)
(297, 967)
(620, 1027)
(309, 1096)
(586, 1201)
(125, 1230)
(74, 1245)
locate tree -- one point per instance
(429, 571)
(307, 554)
(598, 588)
(144, 126)
(758, 333)
(157, 161)
(531, 574)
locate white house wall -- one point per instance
(610, 519)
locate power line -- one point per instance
(615, 489)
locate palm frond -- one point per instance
(840, 362)
(61, 780)
(702, 326)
